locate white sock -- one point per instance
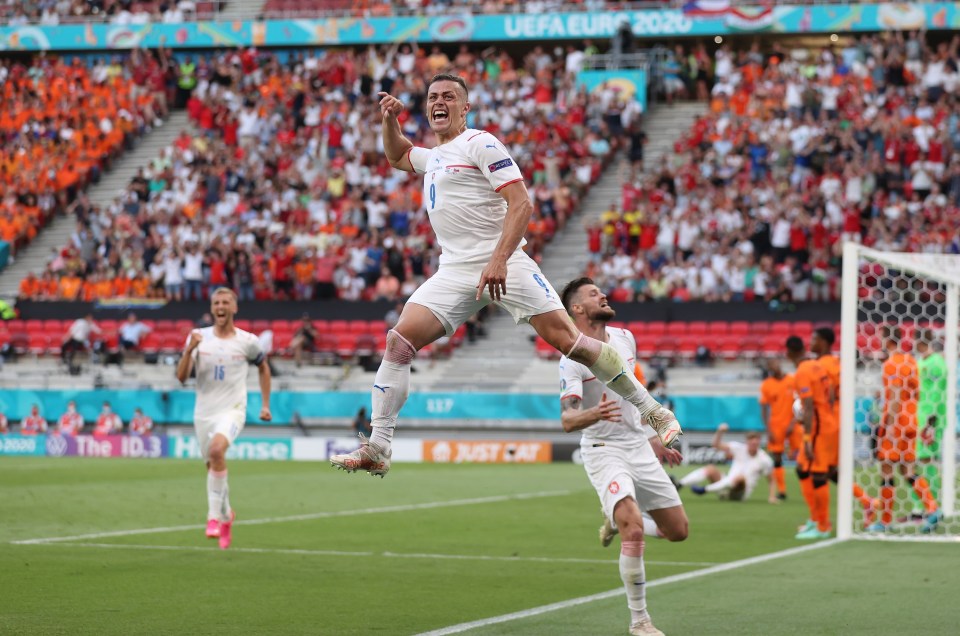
(634, 579)
(389, 393)
(650, 528)
(610, 368)
(726, 482)
(218, 496)
(695, 477)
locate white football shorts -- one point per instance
(619, 471)
(229, 424)
(451, 293)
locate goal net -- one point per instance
(898, 396)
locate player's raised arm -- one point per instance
(186, 360)
(396, 147)
(718, 440)
(574, 417)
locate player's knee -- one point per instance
(217, 454)
(631, 530)
(398, 349)
(677, 532)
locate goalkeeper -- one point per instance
(931, 409)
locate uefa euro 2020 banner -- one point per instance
(697, 18)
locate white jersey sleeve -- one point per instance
(571, 379)
(418, 158)
(494, 161)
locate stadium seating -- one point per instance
(337, 220)
(92, 126)
(776, 175)
(725, 340)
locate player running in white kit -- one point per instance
(621, 456)
(221, 355)
(479, 208)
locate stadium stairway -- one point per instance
(505, 360)
(241, 9)
(35, 256)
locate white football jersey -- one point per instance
(462, 179)
(752, 467)
(579, 381)
(221, 365)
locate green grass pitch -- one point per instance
(321, 552)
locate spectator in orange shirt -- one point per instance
(29, 288)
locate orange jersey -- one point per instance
(812, 381)
(831, 364)
(778, 395)
(901, 383)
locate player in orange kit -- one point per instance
(821, 345)
(897, 434)
(776, 410)
(820, 436)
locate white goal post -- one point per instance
(898, 384)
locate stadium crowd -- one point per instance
(285, 192)
(798, 152)
(71, 423)
(53, 12)
(62, 124)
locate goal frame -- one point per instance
(849, 295)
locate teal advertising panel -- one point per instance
(695, 412)
(653, 23)
(633, 82)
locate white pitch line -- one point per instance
(338, 553)
(667, 580)
(304, 517)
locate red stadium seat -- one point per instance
(338, 327)
(647, 346)
(718, 328)
(637, 327)
(545, 351)
(676, 329)
(357, 327)
(243, 324)
(727, 347)
(376, 327)
(656, 328)
(150, 343)
(38, 343)
(740, 327)
(687, 346)
(697, 327)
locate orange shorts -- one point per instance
(778, 441)
(899, 449)
(825, 454)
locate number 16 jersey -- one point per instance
(221, 365)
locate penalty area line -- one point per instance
(305, 517)
(342, 553)
(667, 580)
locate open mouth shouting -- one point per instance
(440, 115)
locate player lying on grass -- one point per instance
(221, 355)
(479, 208)
(621, 456)
(749, 464)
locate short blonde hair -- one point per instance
(224, 290)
